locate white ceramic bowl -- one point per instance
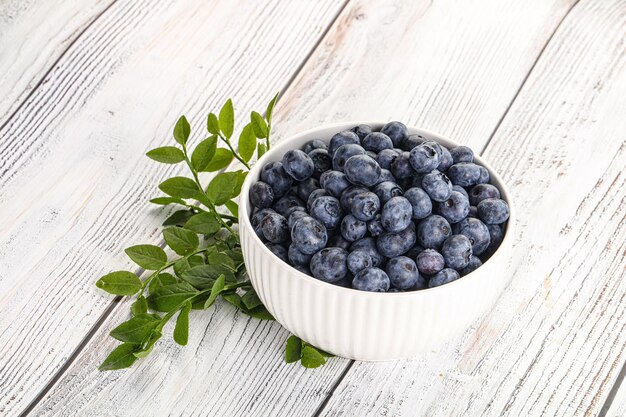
(364, 325)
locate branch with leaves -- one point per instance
(203, 234)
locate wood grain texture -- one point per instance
(33, 35)
(554, 343)
(75, 182)
(618, 407)
(240, 369)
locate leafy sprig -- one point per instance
(203, 235)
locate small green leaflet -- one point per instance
(270, 107)
(147, 256)
(137, 329)
(204, 223)
(247, 143)
(120, 283)
(168, 297)
(258, 125)
(311, 358)
(213, 124)
(223, 187)
(203, 154)
(163, 201)
(222, 158)
(227, 119)
(251, 299)
(166, 155)
(147, 347)
(217, 288)
(140, 306)
(182, 241)
(183, 265)
(261, 149)
(162, 279)
(203, 277)
(181, 331)
(178, 218)
(179, 187)
(221, 258)
(121, 357)
(293, 351)
(260, 313)
(233, 208)
(182, 130)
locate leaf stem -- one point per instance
(235, 154)
(150, 277)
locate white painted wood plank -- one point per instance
(235, 371)
(618, 407)
(33, 35)
(555, 342)
(75, 182)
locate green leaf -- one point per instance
(213, 124)
(178, 218)
(247, 143)
(251, 300)
(216, 289)
(260, 313)
(258, 125)
(261, 149)
(186, 264)
(137, 329)
(161, 280)
(163, 201)
(140, 306)
(234, 299)
(222, 158)
(204, 223)
(203, 153)
(166, 155)
(233, 208)
(179, 187)
(203, 277)
(220, 258)
(147, 347)
(120, 283)
(181, 331)
(223, 187)
(182, 241)
(227, 119)
(182, 130)
(293, 349)
(311, 358)
(147, 256)
(121, 357)
(168, 297)
(270, 107)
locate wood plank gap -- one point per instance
(619, 382)
(324, 403)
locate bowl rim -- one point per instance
(282, 147)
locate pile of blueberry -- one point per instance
(379, 211)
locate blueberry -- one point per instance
(465, 174)
(345, 282)
(402, 272)
(473, 265)
(476, 231)
(481, 192)
(396, 131)
(412, 141)
(327, 210)
(362, 130)
(485, 177)
(396, 214)
(437, 186)
(278, 250)
(256, 219)
(496, 234)
(342, 138)
(321, 161)
(371, 154)
(298, 164)
(295, 216)
(306, 187)
(456, 208)
(386, 157)
(352, 228)
(343, 153)
(493, 211)
(461, 190)
(288, 204)
(371, 279)
(298, 258)
(362, 170)
(365, 206)
(443, 277)
(462, 154)
(424, 158)
(414, 251)
(420, 202)
(334, 182)
(275, 228)
(348, 195)
(392, 244)
(473, 212)
(315, 194)
(456, 251)
(359, 260)
(417, 180)
(385, 175)
(314, 144)
(376, 142)
(375, 226)
(387, 190)
(308, 235)
(432, 231)
(445, 161)
(261, 195)
(275, 175)
(329, 264)
(339, 242)
(422, 283)
(303, 268)
(369, 244)
(401, 167)
(430, 262)
(394, 289)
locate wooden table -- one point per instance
(537, 86)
